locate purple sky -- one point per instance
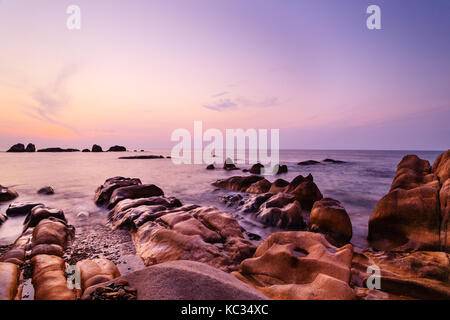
(137, 70)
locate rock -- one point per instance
(408, 217)
(117, 149)
(104, 192)
(96, 148)
(16, 254)
(52, 231)
(298, 266)
(46, 191)
(201, 234)
(262, 186)
(7, 194)
(83, 215)
(329, 217)
(39, 213)
(229, 165)
(404, 275)
(49, 279)
(58, 150)
(114, 290)
(304, 189)
(308, 163)
(131, 214)
(3, 219)
(441, 166)
(444, 196)
(21, 208)
(134, 192)
(287, 217)
(9, 280)
(96, 271)
(210, 167)
(17, 148)
(280, 169)
(142, 157)
(256, 169)
(50, 249)
(334, 161)
(86, 150)
(174, 281)
(30, 148)
(240, 184)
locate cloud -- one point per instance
(240, 101)
(220, 105)
(48, 101)
(219, 94)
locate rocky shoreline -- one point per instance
(152, 239)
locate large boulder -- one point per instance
(49, 278)
(16, 254)
(408, 217)
(104, 192)
(257, 169)
(329, 217)
(53, 232)
(184, 280)
(441, 166)
(201, 234)
(299, 266)
(9, 280)
(7, 194)
(96, 148)
(17, 148)
(39, 213)
(30, 148)
(134, 192)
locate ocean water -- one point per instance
(358, 184)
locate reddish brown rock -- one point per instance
(39, 213)
(134, 192)
(408, 217)
(441, 166)
(96, 271)
(52, 231)
(203, 234)
(49, 280)
(403, 275)
(240, 184)
(299, 265)
(262, 186)
(329, 217)
(9, 280)
(256, 169)
(104, 192)
(7, 194)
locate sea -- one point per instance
(358, 183)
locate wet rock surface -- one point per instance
(7, 194)
(46, 190)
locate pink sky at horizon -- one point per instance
(138, 70)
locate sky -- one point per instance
(138, 70)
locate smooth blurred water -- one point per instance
(358, 184)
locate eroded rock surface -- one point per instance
(414, 214)
(299, 265)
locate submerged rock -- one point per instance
(46, 191)
(410, 215)
(280, 169)
(86, 150)
(329, 217)
(229, 165)
(210, 167)
(334, 161)
(308, 163)
(299, 266)
(142, 157)
(7, 194)
(134, 192)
